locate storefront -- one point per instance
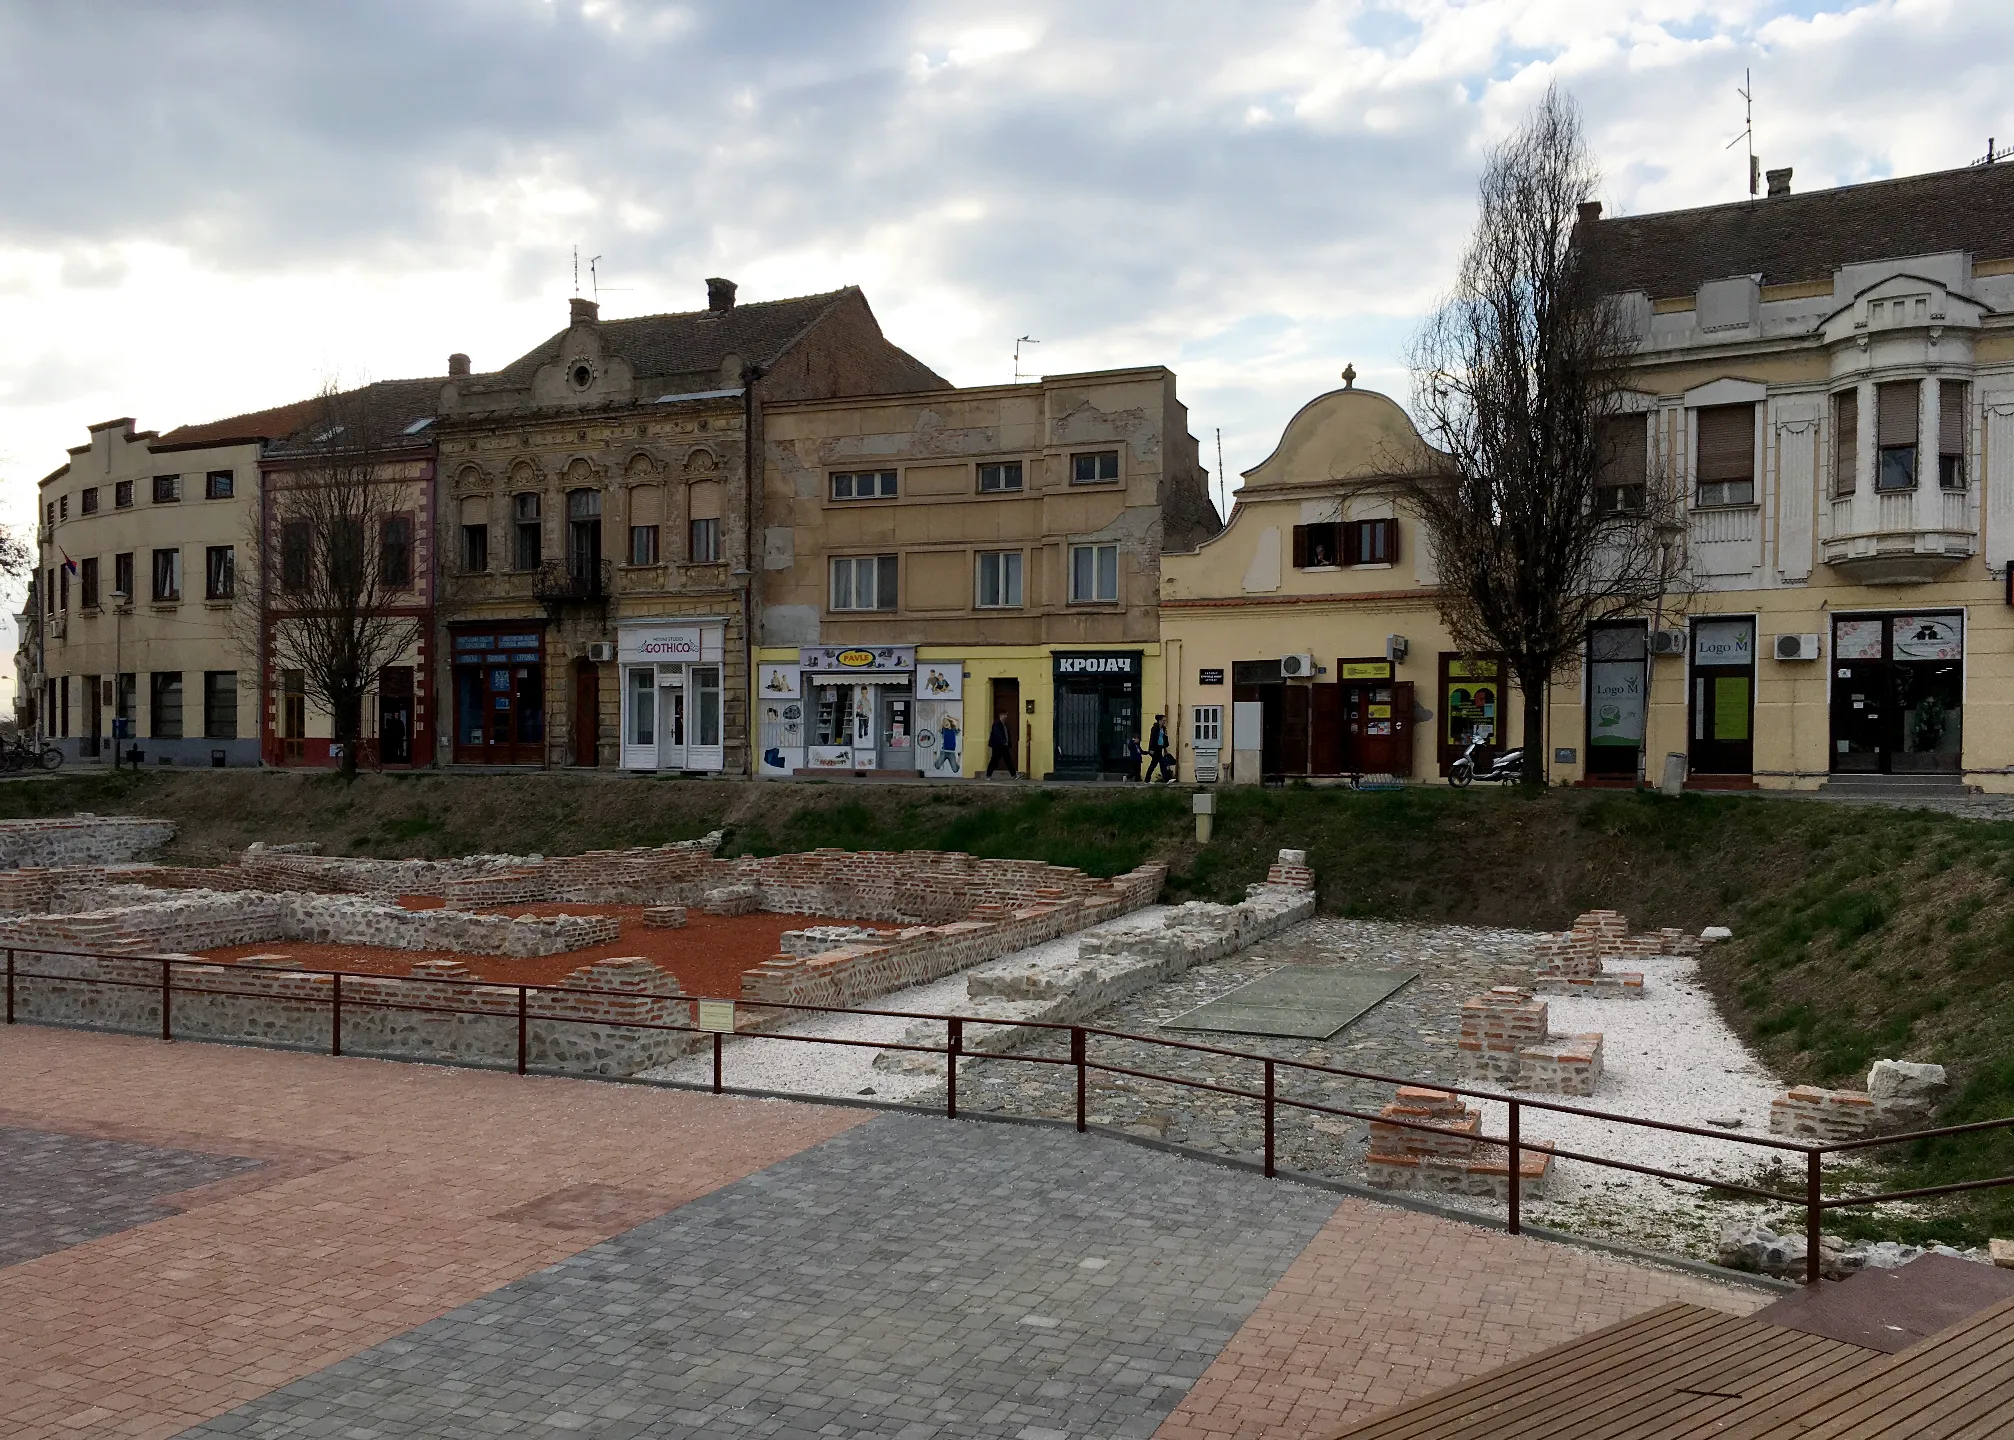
(671, 695)
(858, 709)
(1617, 682)
(1722, 700)
(1097, 698)
(1898, 693)
(1376, 710)
(1471, 709)
(499, 693)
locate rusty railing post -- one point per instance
(523, 1046)
(10, 984)
(1514, 1221)
(954, 1044)
(1813, 1213)
(716, 1062)
(336, 1013)
(1076, 1058)
(1269, 1120)
(167, 986)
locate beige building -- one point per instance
(141, 536)
(1303, 640)
(932, 564)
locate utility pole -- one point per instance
(1746, 92)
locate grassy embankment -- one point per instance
(1860, 932)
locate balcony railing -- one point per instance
(560, 584)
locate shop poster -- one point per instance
(940, 679)
(1615, 703)
(782, 734)
(940, 737)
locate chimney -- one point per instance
(1779, 181)
(585, 310)
(719, 294)
(458, 365)
(1590, 211)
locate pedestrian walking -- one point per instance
(1000, 747)
(1159, 755)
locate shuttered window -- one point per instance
(1625, 461)
(1951, 417)
(1895, 421)
(1727, 455)
(1845, 442)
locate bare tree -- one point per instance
(1518, 380)
(335, 559)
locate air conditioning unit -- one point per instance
(600, 651)
(1667, 642)
(1297, 667)
(1797, 647)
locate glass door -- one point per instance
(1617, 655)
(1723, 697)
(639, 721)
(896, 731)
(671, 731)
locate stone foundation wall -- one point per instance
(1506, 1038)
(83, 839)
(1447, 1157)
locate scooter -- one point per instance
(1507, 767)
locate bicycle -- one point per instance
(20, 755)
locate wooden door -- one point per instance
(1295, 708)
(1386, 737)
(1006, 702)
(586, 713)
(1326, 731)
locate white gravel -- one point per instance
(797, 1068)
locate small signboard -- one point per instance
(1209, 677)
(717, 1015)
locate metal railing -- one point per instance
(1813, 1201)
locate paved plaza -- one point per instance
(369, 1249)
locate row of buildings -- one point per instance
(761, 539)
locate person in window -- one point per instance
(1159, 757)
(999, 747)
(1321, 555)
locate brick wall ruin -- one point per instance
(1506, 1038)
(83, 839)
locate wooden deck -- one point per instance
(1683, 1371)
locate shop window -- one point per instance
(167, 575)
(167, 489)
(220, 485)
(528, 537)
(295, 540)
(87, 576)
(706, 700)
(1622, 464)
(1000, 478)
(864, 582)
(863, 485)
(1000, 579)
(1371, 542)
(1951, 413)
(1094, 467)
(1896, 424)
(1318, 547)
(395, 552)
(87, 500)
(220, 572)
(1727, 455)
(643, 705)
(704, 545)
(1845, 443)
(1094, 574)
(165, 704)
(220, 704)
(122, 578)
(122, 495)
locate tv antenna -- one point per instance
(576, 271)
(1223, 495)
(1746, 92)
(593, 278)
(1024, 340)
(1992, 157)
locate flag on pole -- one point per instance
(68, 563)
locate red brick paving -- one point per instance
(385, 1208)
(709, 955)
(1386, 1305)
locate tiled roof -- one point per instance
(1790, 238)
(258, 425)
(384, 408)
(692, 344)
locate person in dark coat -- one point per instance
(1159, 756)
(1000, 747)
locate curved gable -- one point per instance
(1344, 435)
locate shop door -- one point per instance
(1897, 692)
(1122, 723)
(1723, 697)
(896, 730)
(1325, 730)
(1078, 713)
(1378, 722)
(1866, 721)
(395, 715)
(586, 713)
(1296, 706)
(671, 720)
(1617, 655)
(1007, 705)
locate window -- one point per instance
(643, 704)
(1094, 573)
(220, 485)
(863, 582)
(1207, 727)
(220, 572)
(165, 704)
(63, 578)
(1094, 467)
(1895, 429)
(52, 515)
(583, 534)
(863, 485)
(63, 507)
(395, 552)
(295, 539)
(705, 546)
(122, 495)
(646, 515)
(1845, 443)
(643, 544)
(88, 576)
(122, 695)
(293, 709)
(475, 549)
(167, 575)
(220, 704)
(1000, 579)
(1727, 455)
(87, 500)
(122, 578)
(49, 592)
(1951, 413)
(1623, 463)
(529, 538)
(1371, 542)
(702, 508)
(346, 555)
(1004, 476)
(167, 489)
(1317, 546)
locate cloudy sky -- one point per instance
(209, 207)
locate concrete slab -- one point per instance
(1310, 1002)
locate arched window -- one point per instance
(528, 533)
(475, 523)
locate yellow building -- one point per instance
(1303, 640)
(934, 564)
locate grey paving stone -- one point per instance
(59, 1190)
(880, 1284)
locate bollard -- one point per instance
(1204, 804)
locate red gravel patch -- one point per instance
(709, 956)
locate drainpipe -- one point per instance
(750, 478)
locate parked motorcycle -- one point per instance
(1507, 768)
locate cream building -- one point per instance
(141, 536)
(1303, 640)
(932, 563)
